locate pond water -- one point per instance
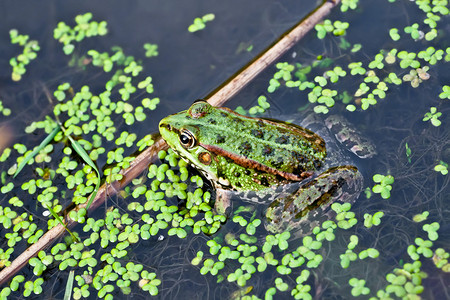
(409, 258)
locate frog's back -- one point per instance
(276, 145)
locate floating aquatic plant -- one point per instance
(200, 23)
(433, 116)
(84, 28)
(442, 167)
(30, 49)
(4, 110)
(383, 186)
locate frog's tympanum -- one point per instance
(258, 155)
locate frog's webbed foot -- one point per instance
(351, 138)
(307, 205)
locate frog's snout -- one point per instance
(164, 125)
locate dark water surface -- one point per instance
(190, 65)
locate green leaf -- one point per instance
(393, 32)
(69, 285)
(151, 50)
(41, 146)
(80, 150)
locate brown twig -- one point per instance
(141, 162)
(266, 58)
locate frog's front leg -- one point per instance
(307, 204)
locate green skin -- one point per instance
(240, 152)
(252, 154)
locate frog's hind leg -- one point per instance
(308, 204)
(351, 138)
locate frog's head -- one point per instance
(184, 131)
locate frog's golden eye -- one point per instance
(187, 139)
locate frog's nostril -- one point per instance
(164, 125)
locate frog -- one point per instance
(268, 161)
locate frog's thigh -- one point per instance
(343, 183)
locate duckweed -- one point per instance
(433, 116)
(421, 217)
(373, 220)
(19, 63)
(442, 167)
(445, 91)
(384, 185)
(84, 28)
(200, 23)
(5, 112)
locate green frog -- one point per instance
(261, 157)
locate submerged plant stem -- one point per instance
(141, 162)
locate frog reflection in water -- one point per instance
(257, 156)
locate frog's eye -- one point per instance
(187, 139)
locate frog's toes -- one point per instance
(348, 136)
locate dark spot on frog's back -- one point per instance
(298, 157)
(257, 133)
(284, 139)
(277, 162)
(220, 139)
(212, 121)
(264, 181)
(246, 147)
(267, 151)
